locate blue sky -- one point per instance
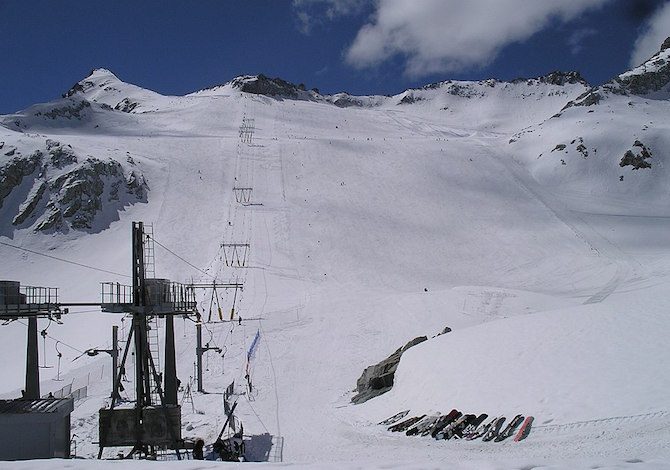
(359, 46)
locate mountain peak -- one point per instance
(102, 72)
(99, 76)
(666, 44)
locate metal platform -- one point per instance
(162, 295)
(17, 301)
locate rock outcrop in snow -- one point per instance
(274, 87)
(636, 157)
(51, 189)
(378, 379)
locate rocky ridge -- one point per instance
(649, 80)
(54, 189)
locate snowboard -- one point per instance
(494, 429)
(404, 425)
(524, 430)
(472, 426)
(445, 433)
(422, 425)
(456, 429)
(394, 419)
(444, 421)
(481, 430)
(509, 430)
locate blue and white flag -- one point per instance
(254, 345)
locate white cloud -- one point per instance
(577, 37)
(446, 35)
(310, 12)
(655, 31)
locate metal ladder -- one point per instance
(149, 252)
(153, 336)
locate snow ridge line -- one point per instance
(558, 427)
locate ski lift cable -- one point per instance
(256, 414)
(179, 257)
(56, 339)
(63, 260)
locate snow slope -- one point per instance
(376, 224)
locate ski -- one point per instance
(494, 429)
(509, 430)
(394, 419)
(524, 430)
(472, 426)
(404, 425)
(444, 421)
(421, 425)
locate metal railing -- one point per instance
(28, 300)
(115, 293)
(161, 294)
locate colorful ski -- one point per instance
(509, 430)
(394, 419)
(493, 431)
(524, 430)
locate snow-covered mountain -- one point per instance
(527, 216)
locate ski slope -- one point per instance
(374, 225)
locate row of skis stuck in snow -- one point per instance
(457, 425)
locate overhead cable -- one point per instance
(64, 260)
(176, 255)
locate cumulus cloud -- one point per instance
(447, 35)
(654, 32)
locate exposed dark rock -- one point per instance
(126, 105)
(13, 172)
(581, 148)
(444, 331)
(378, 379)
(588, 98)
(410, 98)
(61, 156)
(73, 111)
(74, 198)
(27, 208)
(53, 220)
(262, 85)
(559, 147)
(79, 87)
(137, 186)
(555, 78)
(636, 157)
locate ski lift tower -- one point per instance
(151, 424)
(31, 303)
(32, 427)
